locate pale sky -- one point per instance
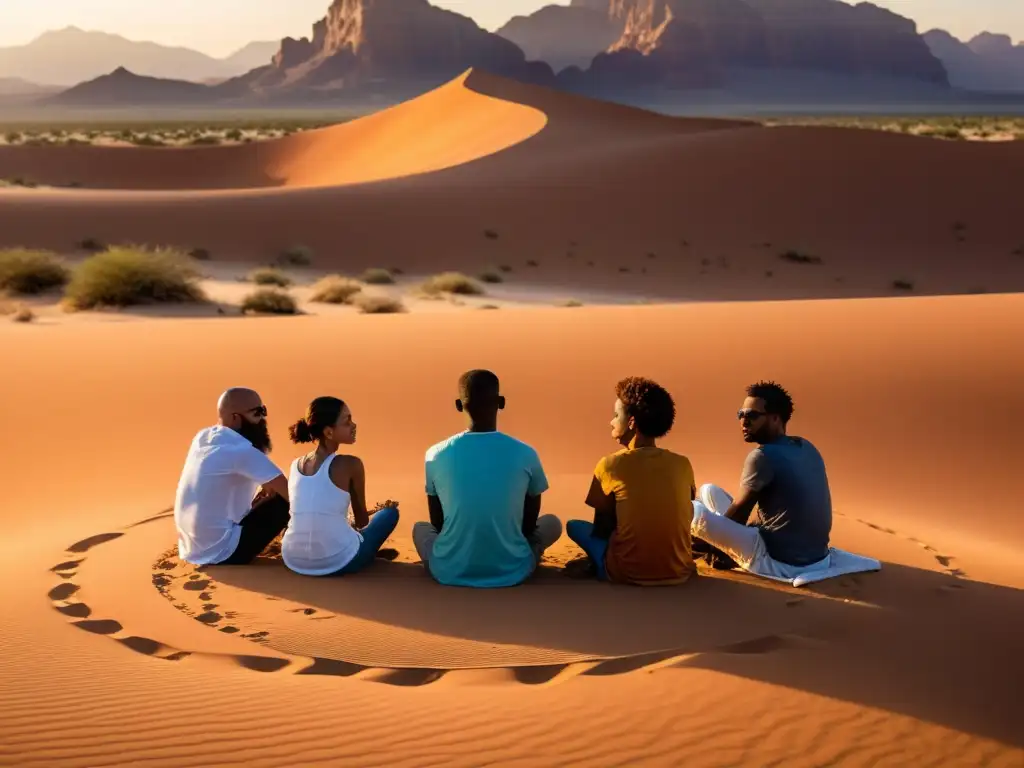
(219, 27)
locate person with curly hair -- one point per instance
(642, 495)
(785, 478)
(322, 486)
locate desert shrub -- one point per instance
(124, 276)
(378, 305)
(488, 306)
(492, 277)
(145, 140)
(490, 234)
(271, 301)
(269, 276)
(13, 137)
(200, 254)
(199, 141)
(452, 282)
(532, 263)
(296, 256)
(902, 285)
(376, 276)
(23, 315)
(90, 244)
(335, 289)
(572, 303)
(505, 268)
(233, 135)
(24, 271)
(798, 257)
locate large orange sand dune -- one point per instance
(600, 196)
(911, 402)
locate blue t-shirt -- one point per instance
(482, 480)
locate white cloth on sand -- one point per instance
(743, 543)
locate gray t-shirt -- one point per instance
(794, 507)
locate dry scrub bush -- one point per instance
(124, 276)
(378, 305)
(24, 271)
(269, 301)
(491, 276)
(452, 282)
(269, 276)
(376, 276)
(296, 256)
(335, 289)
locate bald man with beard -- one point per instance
(232, 500)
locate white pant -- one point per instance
(743, 543)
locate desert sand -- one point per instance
(115, 653)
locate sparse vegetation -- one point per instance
(378, 305)
(24, 271)
(296, 256)
(90, 244)
(133, 275)
(572, 303)
(490, 234)
(200, 254)
(505, 268)
(797, 257)
(377, 276)
(269, 276)
(452, 283)
(269, 301)
(145, 140)
(200, 141)
(13, 137)
(902, 285)
(624, 270)
(946, 128)
(488, 306)
(335, 289)
(23, 315)
(491, 276)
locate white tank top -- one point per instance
(319, 539)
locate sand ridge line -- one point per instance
(65, 598)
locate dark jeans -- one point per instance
(382, 524)
(265, 521)
(582, 532)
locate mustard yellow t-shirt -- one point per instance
(653, 510)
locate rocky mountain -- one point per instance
(566, 35)
(987, 62)
(15, 86)
(125, 88)
(71, 55)
(374, 43)
(696, 43)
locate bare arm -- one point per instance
(348, 473)
(604, 509)
(278, 485)
(436, 512)
(531, 511)
(742, 506)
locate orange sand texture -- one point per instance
(114, 653)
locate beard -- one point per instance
(257, 434)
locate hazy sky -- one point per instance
(220, 26)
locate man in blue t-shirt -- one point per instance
(483, 492)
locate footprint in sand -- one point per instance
(86, 544)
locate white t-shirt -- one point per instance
(220, 478)
(319, 540)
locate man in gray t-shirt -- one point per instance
(794, 505)
(785, 478)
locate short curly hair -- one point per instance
(776, 399)
(648, 403)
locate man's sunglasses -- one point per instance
(749, 414)
(260, 411)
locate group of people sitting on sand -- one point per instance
(484, 491)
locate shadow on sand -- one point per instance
(928, 645)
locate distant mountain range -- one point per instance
(70, 56)
(987, 62)
(610, 48)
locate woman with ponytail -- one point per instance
(322, 485)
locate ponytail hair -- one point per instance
(300, 432)
(322, 413)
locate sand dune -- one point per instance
(112, 654)
(599, 196)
